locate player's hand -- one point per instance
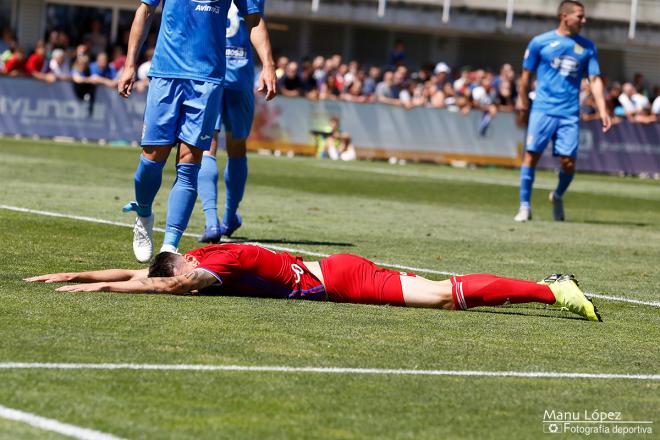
(89, 287)
(51, 278)
(607, 122)
(126, 81)
(267, 82)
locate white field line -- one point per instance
(72, 431)
(327, 370)
(301, 251)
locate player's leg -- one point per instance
(238, 123)
(199, 114)
(477, 290)
(566, 147)
(158, 136)
(539, 132)
(208, 191)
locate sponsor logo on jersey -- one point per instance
(578, 49)
(233, 21)
(236, 52)
(554, 43)
(208, 8)
(205, 137)
(567, 66)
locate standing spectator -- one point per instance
(80, 71)
(319, 72)
(59, 66)
(281, 66)
(290, 84)
(308, 82)
(640, 85)
(119, 58)
(143, 70)
(95, 39)
(7, 42)
(655, 108)
(397, 55)
(329, 90)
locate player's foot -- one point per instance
(212, 234)
(557, 207)
(524, 214)
(143, 244)
(228, 229)
(169, 248)
(568, 295)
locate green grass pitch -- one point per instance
(430, 217)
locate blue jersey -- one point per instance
(191, 41)
(240, 68)
(560, 63)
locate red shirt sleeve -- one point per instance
(221, 264)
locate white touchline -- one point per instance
(299, 251)
(326, 370)
(54, 425)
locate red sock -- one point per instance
(488, 290)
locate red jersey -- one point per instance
(250, 270)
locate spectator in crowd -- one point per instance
(319, 71)
(370, 82)
(385, 92)
(329, 89)
(15, 64)
(96, 40)
(119, 57)
(280, 68)
(80, 71)
(655, 108)
(36, 64)
(640, 84)
(309, 88)
(633, 102)
(103, 71)
(290, 84)
(59, 66)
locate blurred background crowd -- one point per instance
(92, 59)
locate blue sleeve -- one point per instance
(532, 56)
(151, 2)
(593, 68)
(247, 7)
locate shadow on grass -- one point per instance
(541, 312)
(298, 242)
(613, 223)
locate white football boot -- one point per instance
(169, 248)
(524, 214)
(143, 243)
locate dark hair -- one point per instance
(572, 3)
(164, 265)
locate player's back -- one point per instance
(560, 63)
(252, 270)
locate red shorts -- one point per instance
(353, 279)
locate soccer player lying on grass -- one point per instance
(251, 270)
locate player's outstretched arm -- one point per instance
(187, 283)
(598, 90)
(91, 276)
(260, 39)
(139, 31)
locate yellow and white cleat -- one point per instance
(568, 295)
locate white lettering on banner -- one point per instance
(50, 108)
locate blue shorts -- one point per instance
(237, 113)
(182, 109)
(564, 132)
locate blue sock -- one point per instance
(565, 179)
(208, 190)
(181, 202)
(526, 182)
(236, 173)
(148, 177)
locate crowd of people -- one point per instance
(458, 89)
